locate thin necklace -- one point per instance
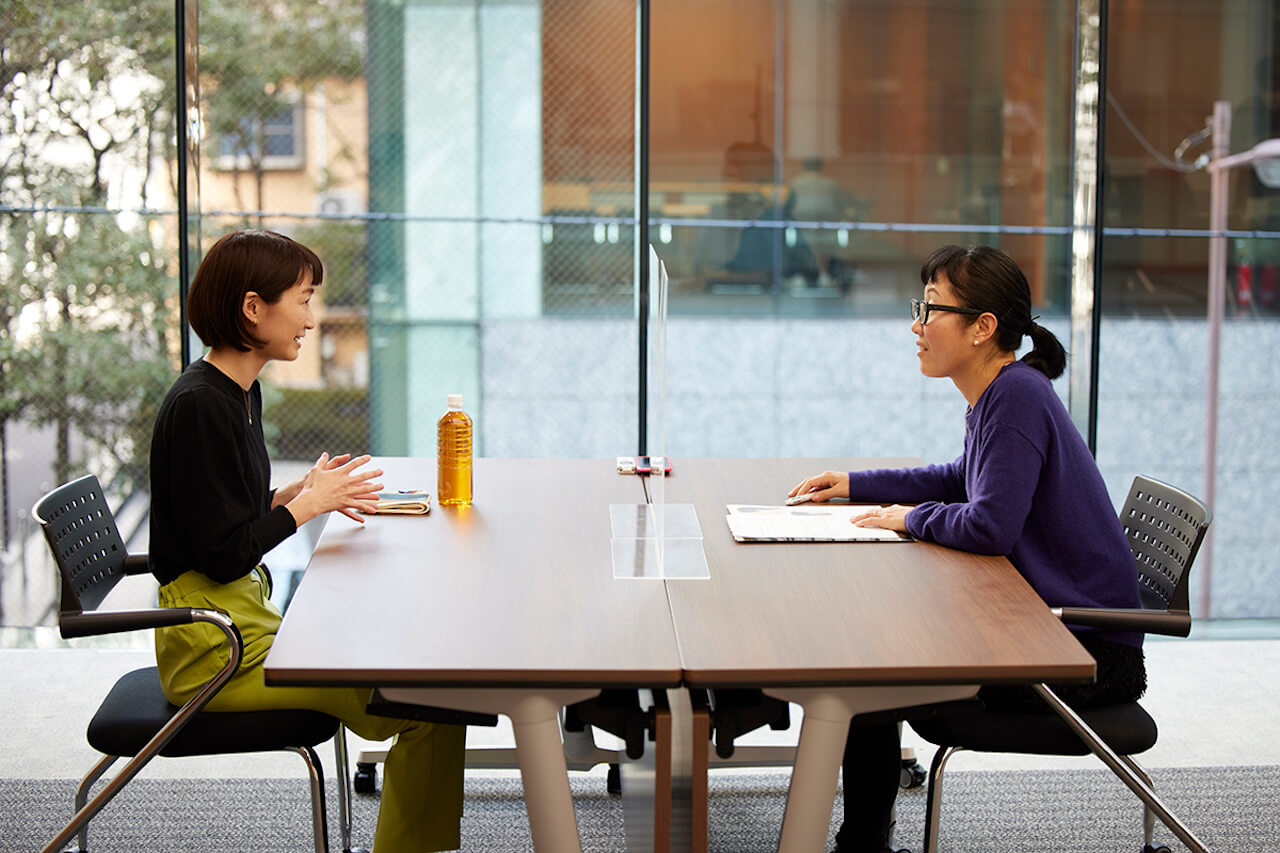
(248, 411)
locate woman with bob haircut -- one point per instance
(214, 515)
(1025, 486)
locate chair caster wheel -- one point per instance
(1147, 848)
(613, 784)
(365, 780)
(912, 776)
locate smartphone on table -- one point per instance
(644, 465)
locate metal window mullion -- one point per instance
(1086, 214)
(642, 218)
(184, 12)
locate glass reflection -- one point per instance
(806, 153)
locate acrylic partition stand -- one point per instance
(657, 540)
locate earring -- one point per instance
(975, 343)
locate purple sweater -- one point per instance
(1026, 487)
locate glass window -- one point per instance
(88, 327)
(806, 156)
(502, 158)
(1168, 65)
(467, 172)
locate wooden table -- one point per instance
(508, 606)
(848, 628)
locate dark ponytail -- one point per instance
(1047, 354)
(989, 280)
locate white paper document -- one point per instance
(805, 523)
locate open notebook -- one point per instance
(804, 523)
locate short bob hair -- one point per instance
(241, 262)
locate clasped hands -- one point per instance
(333, 484)
(835, 484)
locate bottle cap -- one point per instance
(455, 402)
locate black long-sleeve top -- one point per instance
(210, 480)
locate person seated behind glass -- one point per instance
(213, 516)
(815, 197)
(1025, 486)
(746, 257)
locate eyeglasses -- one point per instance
(920, 310)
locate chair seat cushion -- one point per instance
(136, 709)
(1126, 728)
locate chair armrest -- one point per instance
(113, 622)
(1174, 623)
(137, 564)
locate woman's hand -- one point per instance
(286, 493)
(823, 487)
(889, 517)
(335, 484)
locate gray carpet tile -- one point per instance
(1072, 811)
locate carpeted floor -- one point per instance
(1233, 809)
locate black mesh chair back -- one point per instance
(82, 534)
(1165, 527)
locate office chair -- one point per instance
(136, 719)
(1165, 527)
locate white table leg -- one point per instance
(827, 712)
(813, 781)
(535, 720)
(552, 823)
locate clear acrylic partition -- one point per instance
(657, 540)
(655, 488)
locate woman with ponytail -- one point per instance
(1026, 487)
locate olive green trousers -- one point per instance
(421, 808)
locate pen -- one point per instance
(799, 499)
